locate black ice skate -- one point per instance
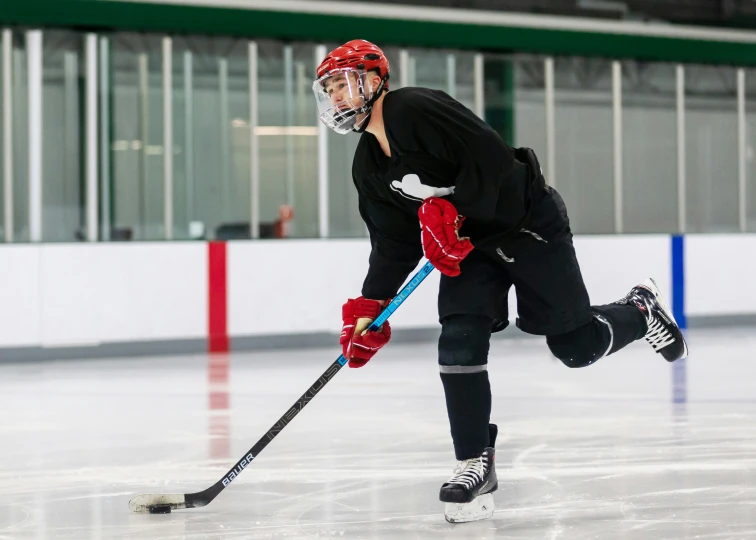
(663, 334)
(468, 493)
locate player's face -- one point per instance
(342, 97)
(343, 90)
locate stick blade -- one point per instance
(143, 503)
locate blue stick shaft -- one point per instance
(401, 296)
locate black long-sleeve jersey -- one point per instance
(439, 148)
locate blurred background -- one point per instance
(168, 187)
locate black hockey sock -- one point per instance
(627, 324)
(468, 403)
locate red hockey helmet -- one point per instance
(343, 97)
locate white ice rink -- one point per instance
(600, 453)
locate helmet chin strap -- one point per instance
(363, 127)
(369, 105)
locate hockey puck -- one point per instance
(160, 509)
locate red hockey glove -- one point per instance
(357, 344)
(441, 242)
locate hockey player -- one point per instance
(433, 179)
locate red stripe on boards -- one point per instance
(217, 311)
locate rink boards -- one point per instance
(57, 296)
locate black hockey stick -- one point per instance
(163, 504)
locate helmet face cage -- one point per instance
(343, 99)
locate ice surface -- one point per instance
(602, 452)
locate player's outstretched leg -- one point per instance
(643, 313)
(468, 493)
(663, 334)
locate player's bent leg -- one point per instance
(463, 362)
(643, 313)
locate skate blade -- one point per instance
(482, 507)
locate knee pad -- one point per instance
(579, 348)
(464, 343)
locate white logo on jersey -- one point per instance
(412, 188)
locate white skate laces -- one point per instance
(658, 336)
(662, 332)
(470, 472)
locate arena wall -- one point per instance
(68, 300)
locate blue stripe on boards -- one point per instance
(679, 368)
(678, 280)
